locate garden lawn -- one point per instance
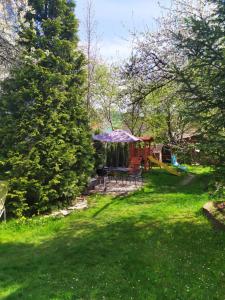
(153, 244)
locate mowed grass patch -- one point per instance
(152, 244)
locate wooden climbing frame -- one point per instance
(140, 151)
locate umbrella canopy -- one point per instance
(116, 136)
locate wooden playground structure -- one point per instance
(139, 153)
(142, 152)
(145, 153)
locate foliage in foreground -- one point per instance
(202, 79)
(202, 84)
(45, 139)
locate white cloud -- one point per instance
(116, 17)
(116, 49)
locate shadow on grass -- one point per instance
(137, 258)
(161, 187)
(104, 207)
(161, 182)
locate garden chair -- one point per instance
(136, 175)
(3, 194)
(103, 176)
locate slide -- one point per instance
(175, 163)
(164, 166)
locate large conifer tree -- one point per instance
(45, 139)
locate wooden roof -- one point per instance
(146, 138)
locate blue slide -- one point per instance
(175, 164)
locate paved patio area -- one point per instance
(117, 187)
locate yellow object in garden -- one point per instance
(169, 169)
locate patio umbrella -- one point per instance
(116, 136)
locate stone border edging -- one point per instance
(214, 215)
(81, 204)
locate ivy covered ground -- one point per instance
(154, 244)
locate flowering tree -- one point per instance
(156, 53)
(12, 13)
(158, 59)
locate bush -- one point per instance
(45, 136)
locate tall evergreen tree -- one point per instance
(45, 138)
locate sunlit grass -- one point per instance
(153, 244)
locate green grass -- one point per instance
(154, 244)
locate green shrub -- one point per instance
(45, 136)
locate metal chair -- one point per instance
(136, 175)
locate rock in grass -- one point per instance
(214, 215)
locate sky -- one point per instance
(116, 19)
